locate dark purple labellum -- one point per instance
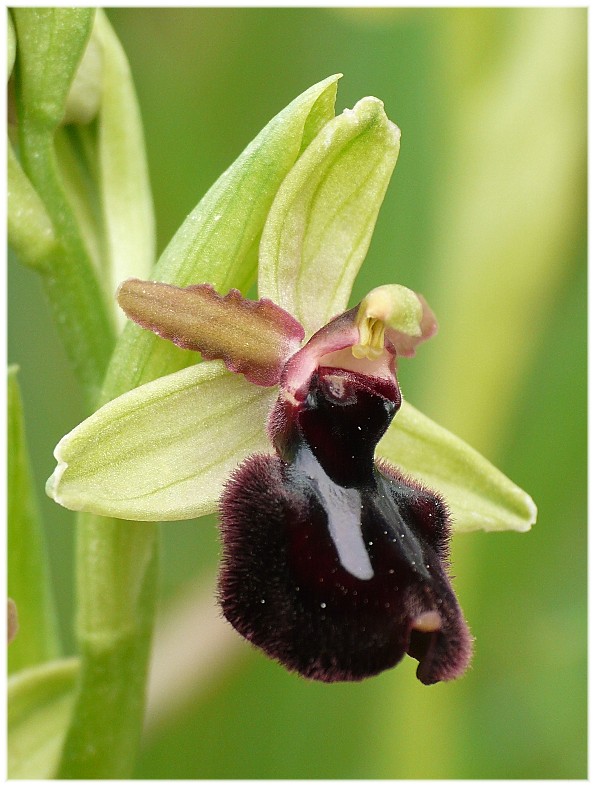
(333, 564)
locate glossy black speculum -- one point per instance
(334, 564)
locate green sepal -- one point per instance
(40, 702)
(226, 224)
(321, 222)
(218, 241)
(28, 570)
(164, 450)
(479, 496)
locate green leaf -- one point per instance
(164, 450)
(218, 241)
(40, 701)
(320, 225)
(478, 495)
(126, 199)
(28, 572)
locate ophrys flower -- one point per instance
(334, 563)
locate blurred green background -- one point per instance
(486, 215)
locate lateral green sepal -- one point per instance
(479, 496)
(164, 450)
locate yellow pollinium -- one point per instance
(391, 305)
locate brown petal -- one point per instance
(253, 338)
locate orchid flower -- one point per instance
(337, 499)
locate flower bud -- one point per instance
(84, 96)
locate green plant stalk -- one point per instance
(117, 590)
(116, 561)
(50, 45)
(78, 304)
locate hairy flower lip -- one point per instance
(334, 625)
(443, 654)
(344, 559)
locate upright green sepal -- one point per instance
(322, 110)
(227, 223)
(479, 496)
(320, 225)
(219, 239)
(28, 570)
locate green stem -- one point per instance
(117, 565)
(116, 561)
(117, 584)
(78, 304)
